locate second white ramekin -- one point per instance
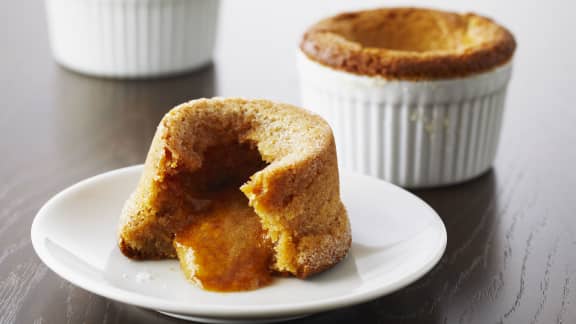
(132, 38)
(412, 133)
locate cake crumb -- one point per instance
(143, 277)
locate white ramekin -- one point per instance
(412, 133)
(132, 38)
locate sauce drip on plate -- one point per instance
(224, 247)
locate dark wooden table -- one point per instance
(511, 233)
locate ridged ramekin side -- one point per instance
(132, 38)
(412, 133)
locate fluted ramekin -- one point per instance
(132, 38)
(412, 133)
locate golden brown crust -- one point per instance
(296, 195)
(409, 43)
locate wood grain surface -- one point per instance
(511, 232)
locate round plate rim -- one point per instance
(222, 311)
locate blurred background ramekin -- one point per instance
(132, 38)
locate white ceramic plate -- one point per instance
(397, 238)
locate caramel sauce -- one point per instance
(220, 242)
(224, 247)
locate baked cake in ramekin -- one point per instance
(414, 96)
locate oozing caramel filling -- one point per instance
(222, 246)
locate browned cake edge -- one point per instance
(322, 44)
